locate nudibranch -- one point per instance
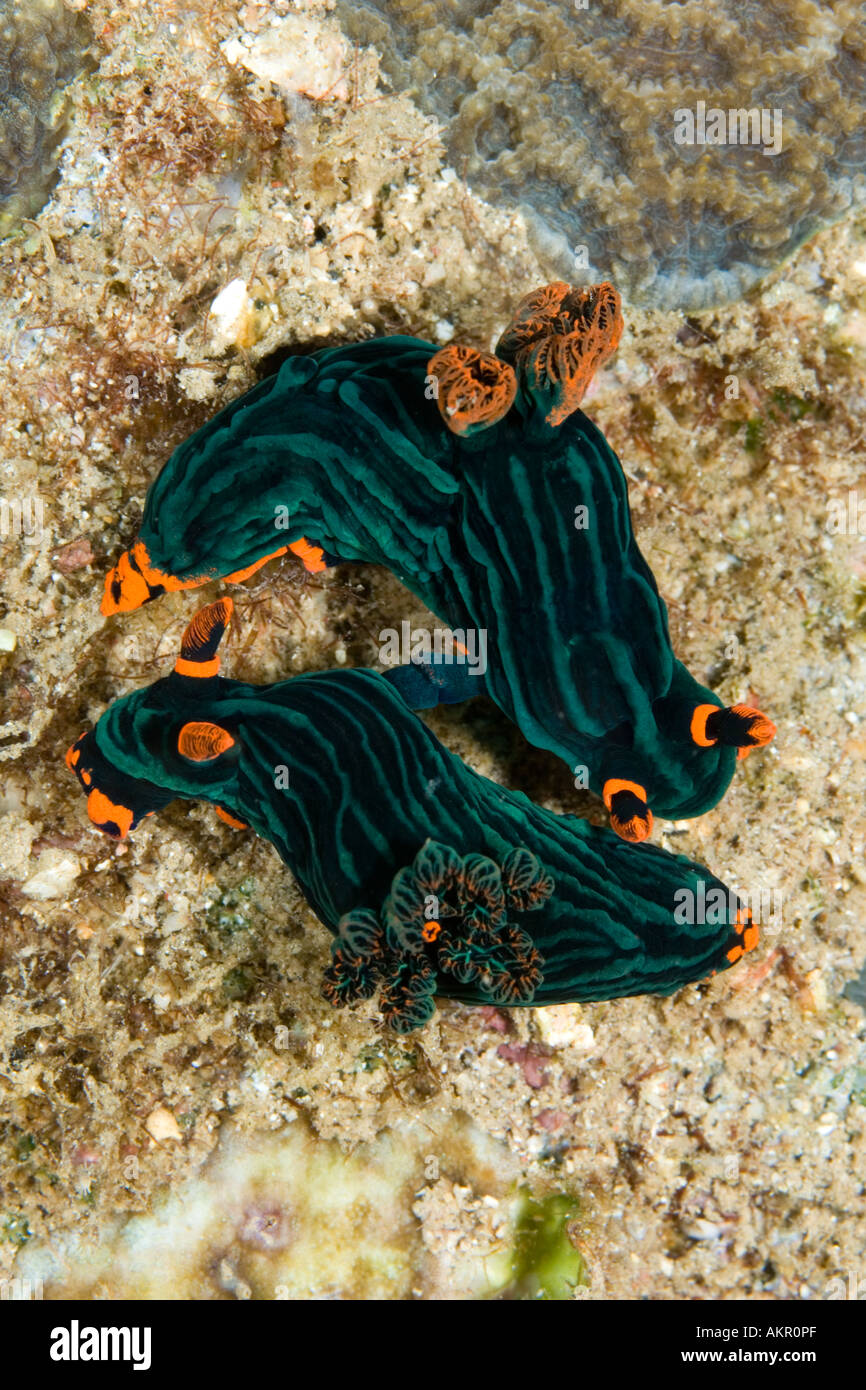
(480, 483)
(432, 879)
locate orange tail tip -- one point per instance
(635, 829)
(750, 941)
(560, 337)
(135, 580)
(231, 820)
(475, 389)
(109, 816)
(125, 588)
(630, 816)
(202, 629)
(202, 741)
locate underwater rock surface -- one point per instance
(716, 1140)
(568, 110)
(41, 48)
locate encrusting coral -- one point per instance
(572, 110)
(41, 47)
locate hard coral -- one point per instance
(569, 110)
(41, 48)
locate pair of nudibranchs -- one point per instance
(462, 472)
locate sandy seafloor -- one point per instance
(181, 1114)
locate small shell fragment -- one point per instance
(161, 1125)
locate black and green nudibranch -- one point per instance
(466, 474)
(432, 879)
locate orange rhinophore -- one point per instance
(198, 647)
(759, 729)
(630, 816)
(475, 389)
(560, 336)
(487, 920)
(201, 741)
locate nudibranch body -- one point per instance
(433, 879)
(478, 481)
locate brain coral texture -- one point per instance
(41, 46)
(569, 112)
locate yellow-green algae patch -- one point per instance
(545, 1263)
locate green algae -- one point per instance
(238, 984)
(16, 1230)
(544, 1263)
(230, 913)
